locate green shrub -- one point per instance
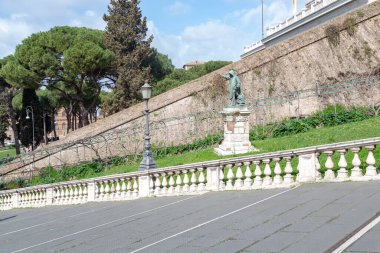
(350, 25)
(49, 175)
(289, 127)
(181, 76)
(2, 185)
(116, 161)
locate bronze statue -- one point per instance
(236, 97)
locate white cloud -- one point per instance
(212, 40)
(274, 13)
(178, 8)
(12, 31)
(26, 17)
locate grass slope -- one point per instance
(346, 132)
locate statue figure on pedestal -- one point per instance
(236, 97)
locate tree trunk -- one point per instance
(68, 119)
(11, 113)
(53, 124)
(83, 114)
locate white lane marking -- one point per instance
(102, 225)
(215, 219)
(48, 222)
(356, 236)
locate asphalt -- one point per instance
(309, 218)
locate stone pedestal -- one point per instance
(236, 132)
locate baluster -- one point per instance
(258, 179)
(85, 192)
(44, 197)
(72, 193)
(186, 181)
(178, 188)
(76, 193)
(248, 175)
(65, 194)
(151, 185)
(201, 180)
(193, 180)
(129, 187)
(61, 195)
(164, 183)
(56, 195)
(288, 178)
(268, 173)
(171, 183)
(118, 188)
(123, 188)
(35, 198)
(318, 174)
(356, 172)
(135, 187)
(107, 190)
(30, 194)
(21, 196)
(157, 184)
(80, 192)
(222, 184)
(371, 169)
(277, 180)
(113, 189)
(230, 177)
(21, 200)
(329, 174)
(26, 198)
(32, 198)
(342, 172)
(102, 191)
(239, 176)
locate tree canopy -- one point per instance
(71, 60)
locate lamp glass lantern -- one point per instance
(146, 91)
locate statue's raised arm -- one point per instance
(236, 97)
(227, 77)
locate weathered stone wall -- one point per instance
(191, 111)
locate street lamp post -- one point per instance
(147, 162)
(29, 109)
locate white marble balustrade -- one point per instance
(355, 161)
(310, 9)
(350, 166)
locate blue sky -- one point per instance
(186, 30)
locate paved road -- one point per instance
(310, 218)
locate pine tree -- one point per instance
(126, 36)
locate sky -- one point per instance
(185, 30)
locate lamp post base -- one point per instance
(148, 162)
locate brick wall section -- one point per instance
(298, 63)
